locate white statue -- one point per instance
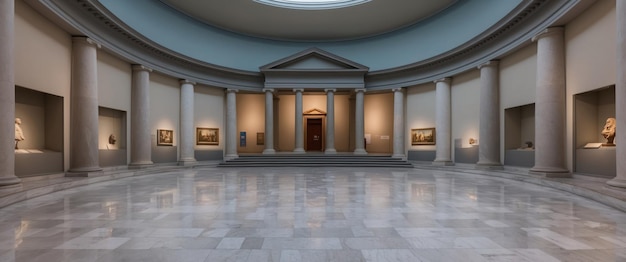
(19, 135)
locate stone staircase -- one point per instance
(316, 160)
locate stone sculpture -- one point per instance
(608, 131)
(19, 135)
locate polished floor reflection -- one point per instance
(311, 214)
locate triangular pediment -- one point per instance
(314, 111)
(313, 59)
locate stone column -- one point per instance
(489, 131)
(330, 121)
(550, 104)
(140, 135)
(269, 122)
(7, 96)
(359, 123)
(620, 97)
(398, 123)
(84, 154)
(187, 134)
(232, 135)
(443, 120)
(299, 123)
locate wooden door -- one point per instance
(314, 134)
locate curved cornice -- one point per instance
(516, 29)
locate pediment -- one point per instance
(314, 111)
(313, 59)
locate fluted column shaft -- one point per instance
(84, 154)
(187, 134)
(330, 121)
(620, 96)
(398, 123)
(269, 121)
(550, 104)
(443, 119)
(7, 96)
(299, 123)
(140, 136)
(231, 124)
(489, 130)
(359, 115)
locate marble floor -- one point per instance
(311, 214)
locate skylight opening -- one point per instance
(312, 4)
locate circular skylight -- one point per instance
(312, 4)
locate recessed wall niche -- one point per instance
(591, 110)
(112, 137)
(41, 115)
(519, 136)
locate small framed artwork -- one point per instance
(165, 137)
(207, 136)
(423, 136)
(260, 139)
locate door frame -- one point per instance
(314, 114)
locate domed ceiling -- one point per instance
(310, 20)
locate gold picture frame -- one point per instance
(423, 136)
(207, 136)
(165, 137)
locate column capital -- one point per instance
(295, 90)
(445, 80)
(333, 90)
(141, 68)
(230, 90)
(86, 40)
(360, 90)
(490, 63)
(397, 89)
(548, 31)
(186, 81)
(271, 90)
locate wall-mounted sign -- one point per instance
(242, 139)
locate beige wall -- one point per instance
(43, 60)
(420, 112)
(465, 95)
(590, 58)
(164, 105)
(209, 112)
(250, 119)
(379, 122)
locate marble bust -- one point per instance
(608, 131)
(19, 135)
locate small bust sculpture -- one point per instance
(112, 139)
(19, 135)
(608, 131)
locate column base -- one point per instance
(553, 172)
(401, 156)
(299, 151)
(10, 182)
(360, 151)
(230, 157)
(84, 172)
(488, 166)
(187, 162)
(330, 151)
(269, 151)
(140, 165)
(443, 163)
(621, 183)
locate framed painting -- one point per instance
(165, 137)
(423, 136)
(207, 136)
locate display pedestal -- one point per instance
(600, 161)
(519, 157)
(30, 162)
